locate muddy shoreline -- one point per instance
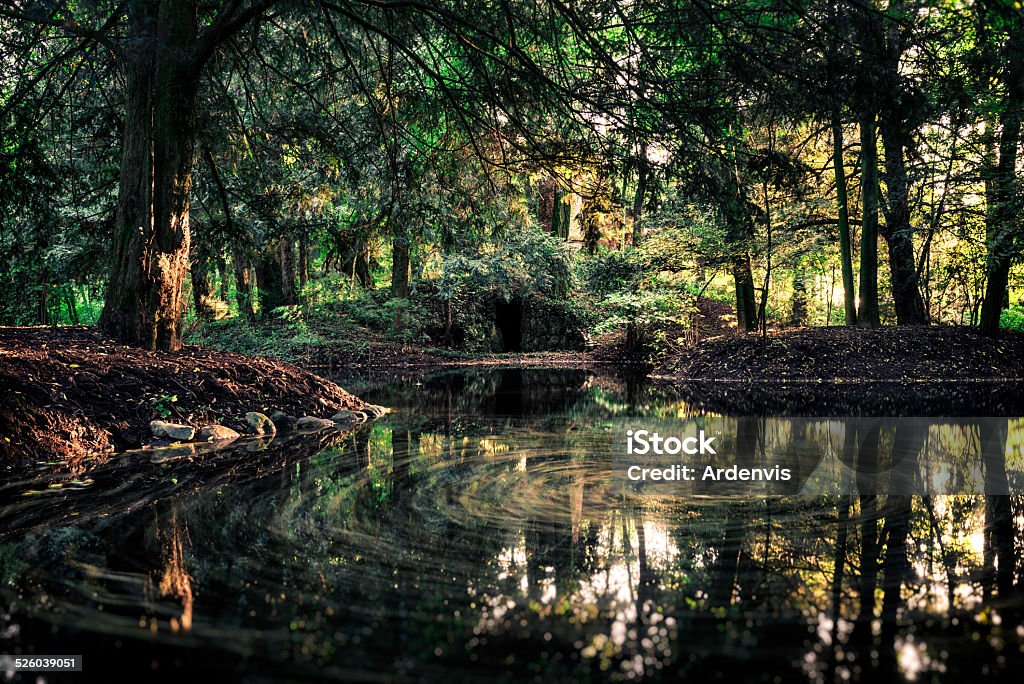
(70, 393)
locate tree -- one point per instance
(1004, 234)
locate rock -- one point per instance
(374, 411)
(282, 421)
(179, 433)
(258, 424)
(311, 423)
(346, 418)
(216, 433)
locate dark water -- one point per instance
(483, 532)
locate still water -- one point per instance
(483, 532)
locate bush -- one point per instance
(610, 271)
(1012, 319)
(529, 267)
(399, 320)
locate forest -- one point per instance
(517, 233)
(508, 176)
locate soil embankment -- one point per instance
(907, 370)
(68, 393)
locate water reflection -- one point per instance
(479, 530)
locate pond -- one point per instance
(486, 530)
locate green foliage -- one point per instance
(522, 265)
(529, 267)
(162, 404)
(379, 314)
(641, 291)
(610, 271)
(1012, 319)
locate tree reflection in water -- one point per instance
(479, 531)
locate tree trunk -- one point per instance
(560, 212)
(867, 315)
(737, 237)
(798, 312)
(845, 243)
(144, 300)
(224, 292)
(243, 285)
(72, 305)
(202, 286)
(44, 303)
(641, 192)
(286, 257)
(303, 261)
(1004, 231)
(746, 309)
(268, 280)
(898, 234)
(361, 267)
(400, 265)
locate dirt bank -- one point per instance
(894, 354)
(848, 371)
(66, 393)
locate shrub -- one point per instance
(1012, 319)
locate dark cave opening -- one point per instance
(508, 316)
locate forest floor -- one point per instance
(70, 393)
(335, 345)
(904, 353)
(906, 370)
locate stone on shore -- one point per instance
(374, 411)
(179, 433)
(258, 424)
(216, 433)
(282, 421)
(312, 423)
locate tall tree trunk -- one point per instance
(560, 214)
(1004, 230)
(746, 308)
(400, 265)
(286, 257)
(222, 274)
(641, 193)
(845, 243)
(43, 308)
(243, 285)
(144, 300)
(72, 305)
(202, 285)
(268, 280)
(303, 260)
(798, 311)
(361, 266)
(737, 237)
(867, 315)
(897, 231)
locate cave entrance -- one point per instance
(508, 316)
